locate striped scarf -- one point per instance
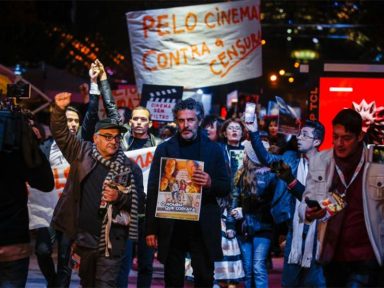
(116, 167)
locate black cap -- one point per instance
(109, 123)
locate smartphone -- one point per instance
(312, 203)
(375, 153)
(249, 114)
(121, 178)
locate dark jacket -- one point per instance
(214, 164)
(127, 141)
(91, 116)
(256, 207)
(79, 155)
(14, 174)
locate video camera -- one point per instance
(12, 116)
(19, 90)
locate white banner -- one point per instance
(196, 46)
(42, 204)
(143, 158)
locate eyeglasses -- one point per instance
(305, 136)
(234, 128)
(109, 137)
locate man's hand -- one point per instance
(201, 178)
(283, 171)
(62, 100)
(230, 233)
(151, 241)
(94, 72)
(314, 213)
(110, 193)
(103, 74)
(237, 213)
(252, 126)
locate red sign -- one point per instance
(339, 93)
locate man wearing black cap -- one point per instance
(96, 210)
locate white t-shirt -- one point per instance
(42, 204)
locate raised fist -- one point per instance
(62, 100)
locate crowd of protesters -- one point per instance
(254, 181)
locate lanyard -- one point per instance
(358, 168)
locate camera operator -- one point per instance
(20, 164)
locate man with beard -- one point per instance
(351, 243)
(300, 267)
(174, 238)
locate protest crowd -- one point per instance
(211, 197)
(216, 193)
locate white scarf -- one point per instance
(296, 256)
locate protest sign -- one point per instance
(41, 204)
(143, 158)
(196, 46)
(289, 121)
(178, 197)
(160, 100)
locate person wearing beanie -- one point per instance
(251, 200)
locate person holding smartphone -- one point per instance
(300, 268)
(351, 244)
